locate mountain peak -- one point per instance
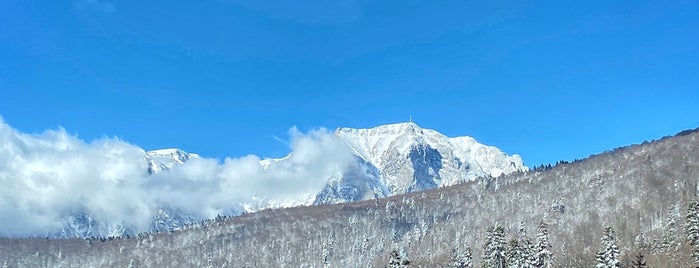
(410, 127)
(164, 159)
(387, 127)
(166, 151)
(411, 157)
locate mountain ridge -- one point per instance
(577, 200)
(389, 159)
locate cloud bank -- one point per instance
(47, 177)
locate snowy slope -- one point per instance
(411, 158)
(389, 160)
(164, 159)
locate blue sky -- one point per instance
(545, 79)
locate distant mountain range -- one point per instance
(640, 200)
(388, 160)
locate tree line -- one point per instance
(524, 252)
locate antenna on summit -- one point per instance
(411, 119)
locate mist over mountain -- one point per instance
(56, 184)
(638, 198)
(61, 186)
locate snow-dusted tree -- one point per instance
(515, 255)
(671, 239)
(600, 262)
(327, 251)
(398, 258)
(542, 249)
(692, 228)
(608, 255)
(526, 248)
(494, 248)
(642, 247)
(461, 258)
(641, 243)
(522, 231)
(639, 262)
(529, 254)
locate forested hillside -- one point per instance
(615, 207)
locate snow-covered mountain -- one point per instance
(81, 224)
(388, 160)
(645, 192)
(164, 159)
(402, 158)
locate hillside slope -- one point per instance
(641, 191)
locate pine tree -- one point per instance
(526, 247)
(327, 252)
(494, 248)
(670, 241)
(641, 243)
(639, 262)
(461, 259)
(692, 228)
(542, 250)
(608, 255)
(515, 255)
(529, 254)
(328, 249)
(600, 261)
(398, 259)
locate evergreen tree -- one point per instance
(542, 249)
(328, 249)
(670, 236)
(398, 259)
(641, 243)
(600, 259)
(494, 248)
(515, 255)
(692, 228)
(526, 246)
(639, 262)
(522, 231)
(529, 255)
(327, 252)
(461, 259)
(608, 255)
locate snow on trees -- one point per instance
(515, 255)
(461, 258)
(692, 228)
(398, 258)
(639, 262)
(608, 255)
(494, 248)
(542, 249)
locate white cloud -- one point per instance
(47, 176)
